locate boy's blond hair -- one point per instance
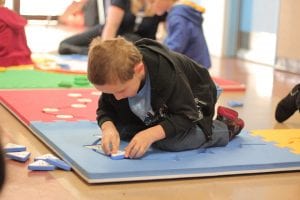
(2, 2)
(112, 61)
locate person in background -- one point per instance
(129, 18)
(288, 105)
(184, 28)
(13, 43)
(154, 96)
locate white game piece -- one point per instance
(78, 105)
(10, 147)
(118, 156)
(50, 110)
(84, 100)
(41, 165)
(19, 156)
(96, 93)
(97, 135)
(64, 116)
(74, 95)
(96, 147)
(45, 157)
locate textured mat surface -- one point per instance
(245, 154)
(284, 138)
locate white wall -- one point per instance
(214, 25)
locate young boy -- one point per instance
(153, 96)
(13, 44)
(184, 28)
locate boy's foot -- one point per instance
(288, 105)
(230, 118)
(224, 113)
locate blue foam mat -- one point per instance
(245, 154)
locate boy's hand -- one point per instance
(138, 145)
(110, 141)
(141, 142)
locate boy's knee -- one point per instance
(192, 139)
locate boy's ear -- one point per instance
(139, 68)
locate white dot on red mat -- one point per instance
(78, 105)
(96, 93)
(64, 116)
(74, 95)
(84, 100)
(50, 110)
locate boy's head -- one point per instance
(115, 66)
(160, 7)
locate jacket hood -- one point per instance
(11, 18)
(154, 46)
(188, 12)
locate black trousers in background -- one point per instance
(79, 43)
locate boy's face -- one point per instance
(124, 90)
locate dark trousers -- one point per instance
(79, 43)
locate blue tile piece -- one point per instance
(233, 103)
(21, 156)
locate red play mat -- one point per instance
(52, 104)
(229, 85)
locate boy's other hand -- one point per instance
(141, 142)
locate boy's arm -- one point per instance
(105, 111)
(105, 116)
(110, 141)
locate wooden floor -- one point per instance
(265, 87)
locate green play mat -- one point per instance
(30, 78)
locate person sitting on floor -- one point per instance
(130, 18)
(154, 96)
(13, 44)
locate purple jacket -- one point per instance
(185, 34)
